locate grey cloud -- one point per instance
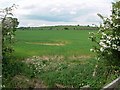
(64, 14)
(52, 18)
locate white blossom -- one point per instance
(101, 49)
(116, 37)
(103, 40)
(109, 42)
(104, 34)
(8, 33)
(91, 50)
(109, 37)
(118, 48)
(113, 38)
(101, 43)
(114, 45)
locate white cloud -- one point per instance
(39, 12)
(73, 12)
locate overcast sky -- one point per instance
(58, 12)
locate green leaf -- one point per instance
(100, 16)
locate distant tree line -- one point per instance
(78, 27)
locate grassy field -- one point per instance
(55, 58)
(50, 42)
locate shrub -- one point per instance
(9, 24)
(108, 37)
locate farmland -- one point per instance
(55, 59)
(45, 47)
(50, 42)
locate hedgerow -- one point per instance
(108, 37)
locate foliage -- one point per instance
(9, 24)
(108, 37)
(10, 69)
(69, 73)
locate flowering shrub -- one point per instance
(36, 65)
(8, 27)
(8, 24)
(108, 37)
(44, 64)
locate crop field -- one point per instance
(57, 58)
(50, 42)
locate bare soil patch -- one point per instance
(47, 43)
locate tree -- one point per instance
(108, 37)
(9, 24)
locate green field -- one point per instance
(56, 58)
(50, 42)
